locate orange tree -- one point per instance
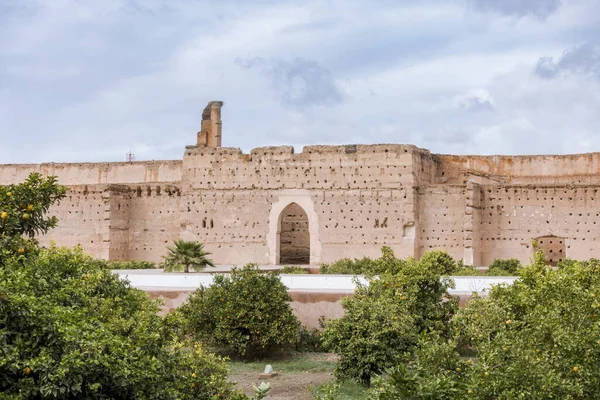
(536, 339)
(384, 319)
(71, 329)
(246, 313)
(23, 210)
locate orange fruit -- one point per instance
(30, 207)
(21, 250)
(27, 371)
(26, 216)
(3, 215)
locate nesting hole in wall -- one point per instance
(553, 247)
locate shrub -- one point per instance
(292, 269)
(508, 267)
(499, 272)
(465, 270)
(347, 266)
(129, 264)
(387, 263)
(569, 263)
(384, 319)
(71, 329)
(439, 261)
(468, 271)
(434, 371)
(373, 334)
(246, 313)
(309, 339)
(535, 339)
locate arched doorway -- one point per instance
(294, 236)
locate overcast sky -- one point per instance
(83, 80)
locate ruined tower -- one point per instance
(210, 130)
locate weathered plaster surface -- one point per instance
(357, 198)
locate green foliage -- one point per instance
(387, 263)
(185, 255)
(129, 264)
(384, 319)
(346, 390)
(465, 270)
(510, 267)
(540, 336)
(260, 391)
(435, 371)
(71, 329)
(592, 262)
(23, 210)
(246, 313)
(328, 391)
(347, 266)
(535, 339)
(439, 261)
(293, 269)
(468, 271)
(309, 340)
(373, 334)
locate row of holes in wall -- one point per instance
(300, 176)
(445, 214)
(333, 151)
(259, 223)
(557, 210)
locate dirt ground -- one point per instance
(311, 371)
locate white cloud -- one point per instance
(582, 59)
(475, 100)
(82, 80)
(536, 8)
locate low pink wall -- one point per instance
(308, 307)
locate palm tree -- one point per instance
(185, 255)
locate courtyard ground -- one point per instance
(300, 375)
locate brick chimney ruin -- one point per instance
(210, 130)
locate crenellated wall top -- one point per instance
(431, 168)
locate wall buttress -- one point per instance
(472, 224)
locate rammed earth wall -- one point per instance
(354, 198)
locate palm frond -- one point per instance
(185, 255)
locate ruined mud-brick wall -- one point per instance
(511, 201)
(83, 220)
(116, 211)
(329, 202)
(356, 199)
